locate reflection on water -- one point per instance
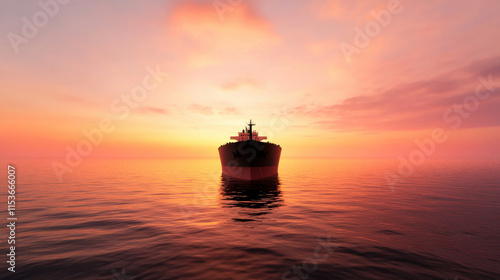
(169, 219)
(251, 199)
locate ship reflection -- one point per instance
(251, 199)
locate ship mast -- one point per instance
(250, 126)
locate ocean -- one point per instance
(320, 219)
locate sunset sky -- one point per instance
(282, 64)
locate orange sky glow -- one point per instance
(322, 78)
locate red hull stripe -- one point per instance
(249, 173)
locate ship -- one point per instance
(249, 158)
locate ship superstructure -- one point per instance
(249, 158)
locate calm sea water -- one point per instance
(321, 219)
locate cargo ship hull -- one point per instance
(250, 160)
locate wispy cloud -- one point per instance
(74, 100)
(199, 34)
(154, 110)
(201, 109)
(229, 111)
(412, 105)
(242, 82)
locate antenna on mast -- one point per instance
(250, 126)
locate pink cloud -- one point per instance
(75, 100)
(197, 31)
(414, 105)
(201, 109)
(242, 82)
(229, 111)
(154, 110)
(335, 8)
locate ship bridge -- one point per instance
(247, 134)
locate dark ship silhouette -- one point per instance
(249, 158)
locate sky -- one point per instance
(322, 78)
